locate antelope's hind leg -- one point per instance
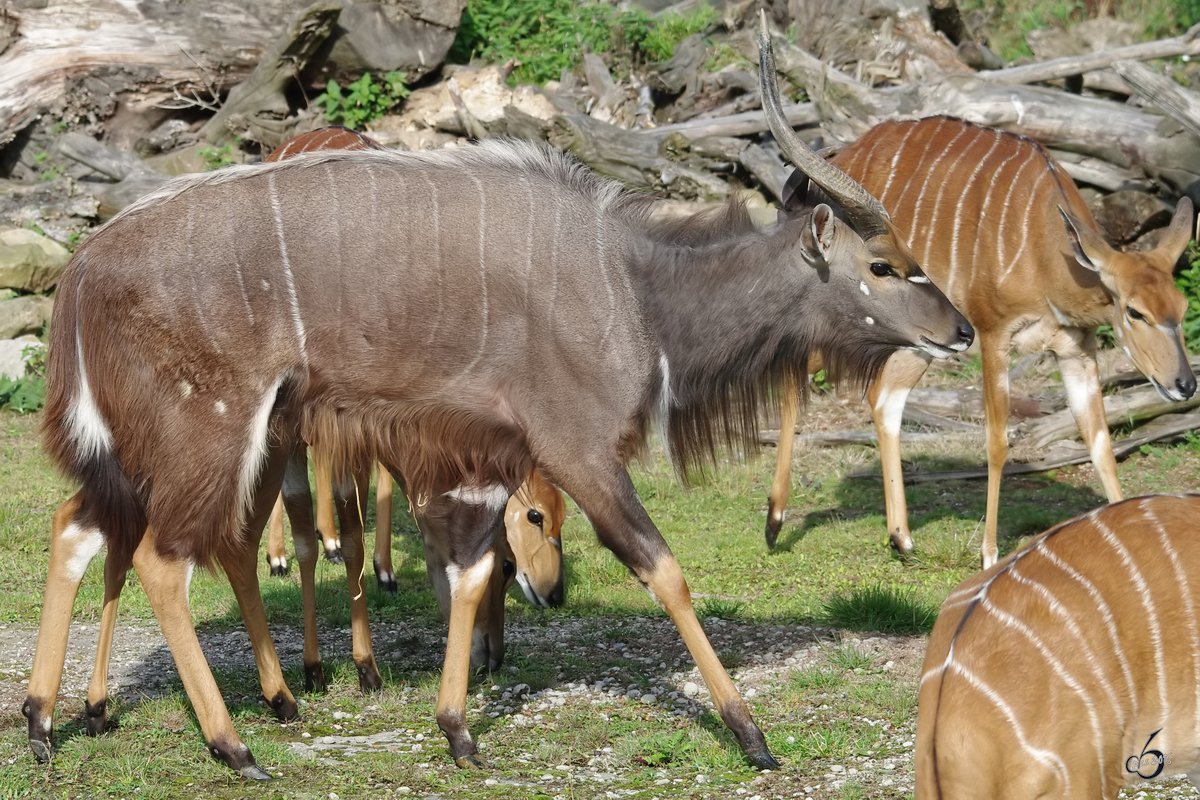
(297, 498)
(276, 552)
(777, 498)
(611, 503)
(166, 584)
(72, 548)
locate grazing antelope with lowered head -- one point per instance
(1000, 226)
(1072, 667)
(520, 313)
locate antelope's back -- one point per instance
(976, 203)
(1072, 667)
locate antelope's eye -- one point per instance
(1134, 314)
(508, 567)
(535, 517)
(881, 270)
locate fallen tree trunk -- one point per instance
(1091, 126)
(1163, 93)
(1118, 409)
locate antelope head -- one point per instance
(878, 286)
(533, 524)
(1147, 312)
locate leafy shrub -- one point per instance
(1188, 282)
(547, 36)
(363, 100)
(28, 393)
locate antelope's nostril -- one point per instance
(965, 332)
(1186, 385)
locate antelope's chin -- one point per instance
(934, 349)
(530, 594)
(1167, 394)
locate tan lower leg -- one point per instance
(466, 592)
(781, 486)
(97, 698)
(276, 551)
(71, 550)
(166, 585)
(323, 477)
(384, 571)
(350, 515)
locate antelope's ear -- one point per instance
(1089, 246)
(1179, 232)
(795, 192)
(821, 227)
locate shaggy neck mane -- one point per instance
(710, 288)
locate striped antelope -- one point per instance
(1072, 667)
(509, 308)
(531, 541)
(1002, 229)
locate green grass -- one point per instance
(832, 568)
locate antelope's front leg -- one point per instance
(995, 410)
(96, 708)
(1075, 350)
(297, 499)
(276, 552)
(623, 527)
(72, 548)
(887, 396)
(473, 519)
(777, 499)
(385, 573)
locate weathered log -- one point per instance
(1101, 173)
(263, 91)
(1119, 408)
(1185, 44)
(672, 76)
(739, 124)
(1163, 93)
(1112, 131)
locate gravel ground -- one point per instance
(142, 667)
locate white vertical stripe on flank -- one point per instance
(608, 287)
(554, 248)
(435, 320)
(958, 216)
(1148, 603)
(943, 181)
(918, 219)
(237, 271)
(1002, 227)
(256, 451)
(985, 209)
(1189, 607)
(293, 300)
(1038, 755)
(914, 171)
(483, 288)
(1105, 611)
(1061, 611)
(912, 126)
(89, 431)
(1030, 203)
(1060, 669)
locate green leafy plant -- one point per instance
(1188, 282)
(216, 157)
(363, 100)
(27, 393)
(661, 39)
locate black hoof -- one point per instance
(254, 772)
(762, 759)
(41, 750)
(334, 556)
(285, 707)
(387, 583)
(368, 678)
(39, 729)
(774, 525)
(96, 717)
(279, 570)
(314, 678)
(470, 762)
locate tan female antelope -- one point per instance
(1002, 229)
(1072, 667)
(509, 308)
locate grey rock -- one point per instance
(23, 315)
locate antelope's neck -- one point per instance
(716, 310)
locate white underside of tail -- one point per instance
(88, 429)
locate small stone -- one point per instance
(838, 768)
(416, 748)
(306, 735)
(691, 689)
(333, 796)
(342, 715)
(648, 699)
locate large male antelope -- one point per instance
(509, 308)
(1072, 667)
(1001, 228)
